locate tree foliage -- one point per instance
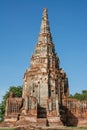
(80, 96)
(17, 90)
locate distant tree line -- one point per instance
(80, 96)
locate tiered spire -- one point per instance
(45, 28)
(45, 34)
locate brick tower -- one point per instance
(45, 99)
(44, 83)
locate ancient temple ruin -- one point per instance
(45, 97)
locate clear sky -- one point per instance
(19, 28)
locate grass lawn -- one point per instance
(73, 128)
(6, 129)
(79, 128)
(82, 128)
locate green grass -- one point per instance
(79, 128)
(74, 128)
(6, 129)
(82, 128)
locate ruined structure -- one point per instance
(45, 96)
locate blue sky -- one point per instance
(19, 28)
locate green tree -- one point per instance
(17, 90)
(80, 96)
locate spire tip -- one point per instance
(45, 9)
